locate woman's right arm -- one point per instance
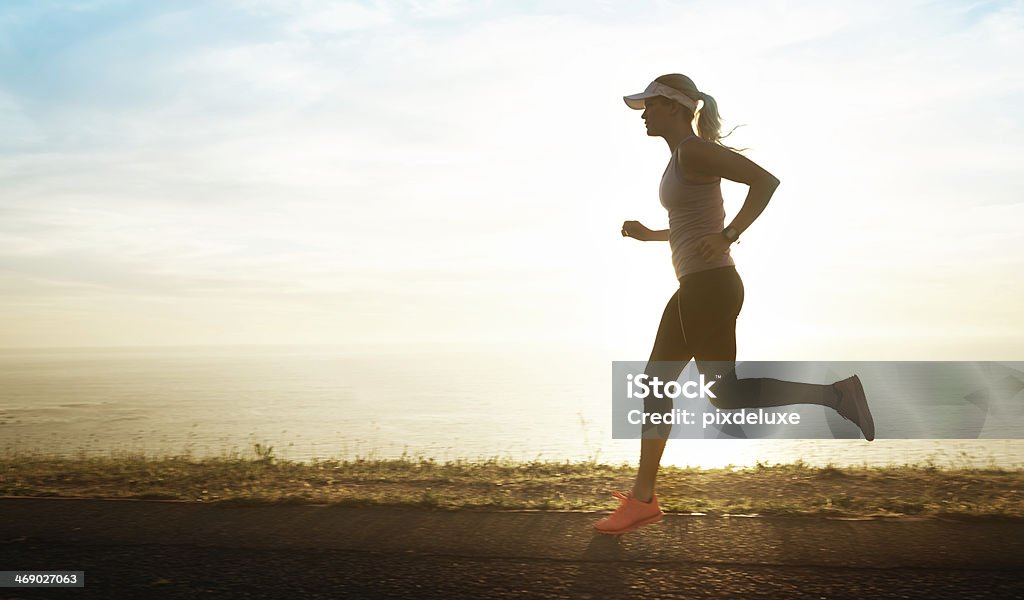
(637, 230)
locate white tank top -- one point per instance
(694, 211)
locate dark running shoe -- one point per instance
(853, 405)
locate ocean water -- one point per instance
(317, 402)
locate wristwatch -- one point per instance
(730, 234)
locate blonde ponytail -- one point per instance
(706, 118)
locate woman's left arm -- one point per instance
(716, 161)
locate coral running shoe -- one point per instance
(630, 515)
(853, 405)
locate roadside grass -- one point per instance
(784, 489)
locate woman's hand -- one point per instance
(637, 230)
(713, 245)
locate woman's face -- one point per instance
(657, 114)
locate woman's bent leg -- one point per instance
(762, 392)
(710, 301)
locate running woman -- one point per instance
(699, 321)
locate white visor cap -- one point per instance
(636, 101)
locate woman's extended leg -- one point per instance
(668, 359)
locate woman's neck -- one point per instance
(676, 137)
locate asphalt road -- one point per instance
(131, 549)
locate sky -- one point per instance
(440, 173)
